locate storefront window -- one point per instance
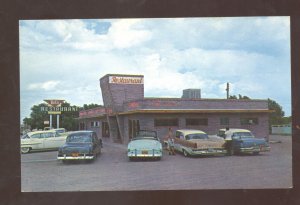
(196, 121)
(249, 121)
(166, 122)
(224, 121)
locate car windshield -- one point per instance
(24, 136)
(144, 138)
(196, 136)
(79, 138)
(146, 133)
(243, 135)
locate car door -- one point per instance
(58, 139)
(178, 137)
(37, 141)
(49, 140)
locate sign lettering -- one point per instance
(126, 80)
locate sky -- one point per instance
(64, 59)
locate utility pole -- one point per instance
(227, 90)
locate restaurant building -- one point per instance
(126, 111)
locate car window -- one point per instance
(36, 136)
(179, 134)
(24, 136)
(242, 135)
(196, 136)
(47, 135)
(79, 138)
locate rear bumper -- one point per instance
(84, 157)
(155, 153)
(208, 152)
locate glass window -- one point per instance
(196, 136)
(196, 121)
(224, 120)
(47, 135)
(249, 121)
(166, 122)
(36, 136)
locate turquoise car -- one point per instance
(145, 145)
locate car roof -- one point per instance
(41, 131)
(190, 131)
(80, 131)
(237, 130)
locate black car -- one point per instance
(80, 145)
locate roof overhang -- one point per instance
(176, 111)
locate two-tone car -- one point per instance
(80, 145)
(193, 142)
(243, 141)
(146, 144)
(41, 140)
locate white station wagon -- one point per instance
(41, 140)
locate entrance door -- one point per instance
(105, 129)
(133, 128)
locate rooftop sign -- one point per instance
(126, 80)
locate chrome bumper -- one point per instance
(254, 149)
(208, 152)
(74, 158)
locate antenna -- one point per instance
(227, 90)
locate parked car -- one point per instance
(80, 145)
(243, 141)
(146, 144)
(41, 140)
(196, 142)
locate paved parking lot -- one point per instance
(113, 171)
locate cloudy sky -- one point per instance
(64, 59)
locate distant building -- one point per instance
(191, 93)
(126, 111)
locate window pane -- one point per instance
(166, 122)
(196, 121)
(224, 121)
(249, 121)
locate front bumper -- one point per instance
(81, 157)
(254, 149)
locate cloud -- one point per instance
(47, 86)
(68, 57)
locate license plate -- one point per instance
(74, 154)
(262, 148)
(144, 152)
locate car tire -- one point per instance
(185, 153)
(64, 161)
(255, 153)
(25, 150)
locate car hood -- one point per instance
(144, 144)
(208, 143)
(76, 147)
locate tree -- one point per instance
(90, 106)
(276, 117)
(240, 97)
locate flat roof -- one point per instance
(196, 111)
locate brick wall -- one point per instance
(147, 123)
(114, 94)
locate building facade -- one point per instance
(127, 111)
